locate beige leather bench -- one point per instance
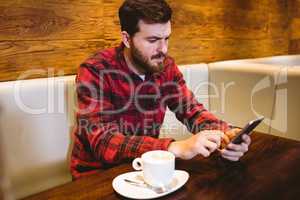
(264, 86)
(196, 77)
(36, 118)
(291, 88)
(35, 131)
(241, 92)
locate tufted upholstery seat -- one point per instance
(263, 86)
(36, 119)
(37, 116)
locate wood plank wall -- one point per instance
(52, 37)
(294, 14)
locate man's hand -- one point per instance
(203, 143)
(232, 151)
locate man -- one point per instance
(123, 93)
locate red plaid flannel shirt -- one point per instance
(120, 115)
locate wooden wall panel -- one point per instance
(54, 35)
(224, 49)
(61, 34)
(294, 46)
(111, 23)
(63, 56)
(206, 22)
(51, 20)
(207, 31)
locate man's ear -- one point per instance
(126, 39)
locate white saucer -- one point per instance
(135, 192)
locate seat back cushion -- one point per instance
(35, 127)
(196, 77)
(286, 113)
(240, 92)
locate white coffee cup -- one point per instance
(158, 167)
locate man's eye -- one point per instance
(152, 41)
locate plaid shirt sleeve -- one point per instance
(187, 109)
(98, 141)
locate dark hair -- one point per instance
(150, 11)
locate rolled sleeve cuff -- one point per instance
(163, 144)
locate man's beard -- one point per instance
(144, 64)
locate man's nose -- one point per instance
(163, 47)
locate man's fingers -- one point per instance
(247, 139)
(243, 147)
(229, 153)
(211, 146)
(204, 152)
(215, 138)
(234, 152)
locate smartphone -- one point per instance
(246, 130)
